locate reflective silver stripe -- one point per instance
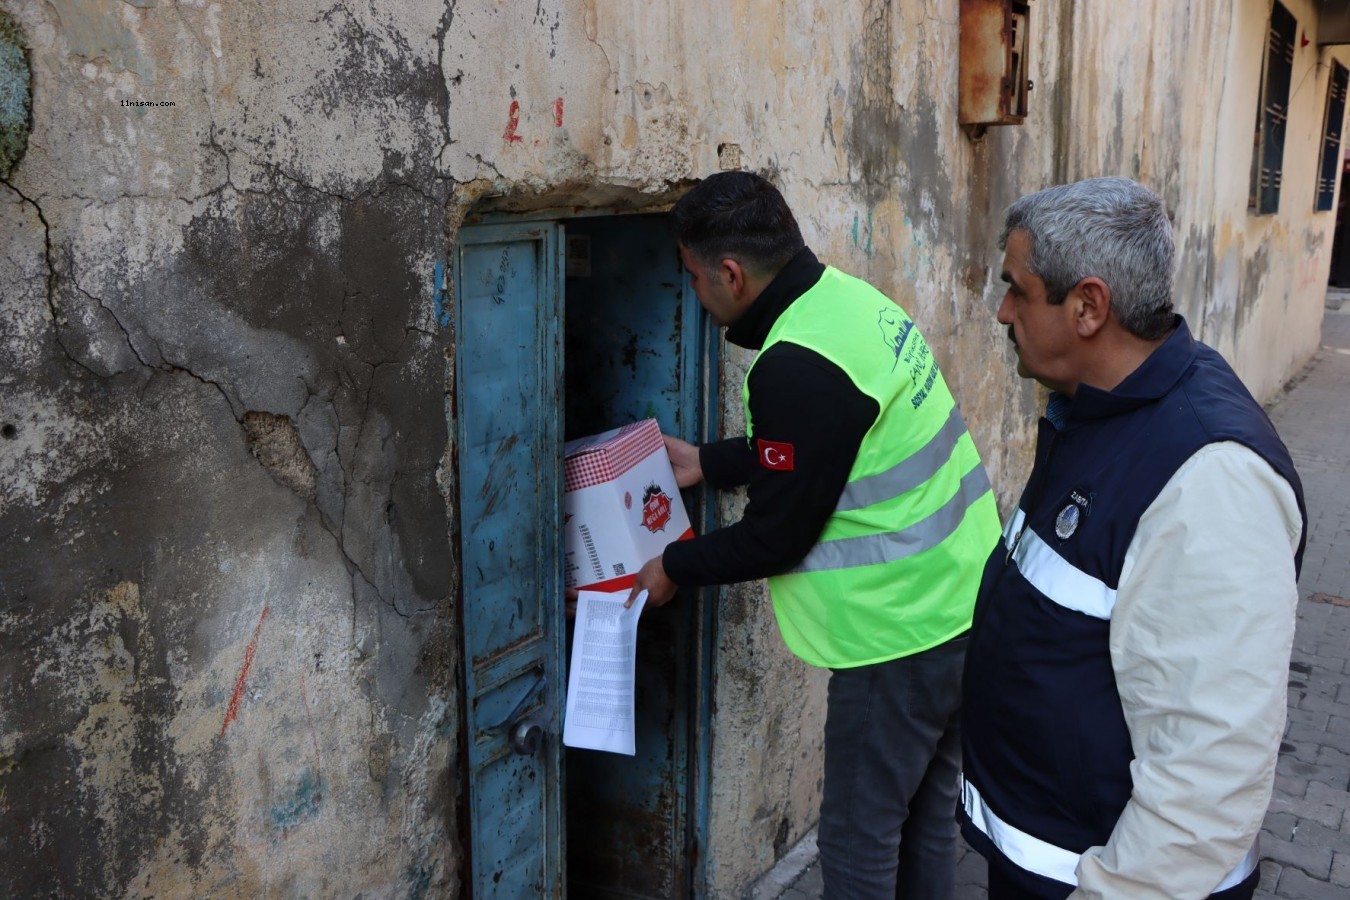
(873, 549)
(1054, 576)
(910, 473)
(1027, 852)
(1042, 858)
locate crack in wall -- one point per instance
(52, 279)
(170, 365)
(447, 20)
(126, 335)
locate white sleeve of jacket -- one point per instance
(1201, 636)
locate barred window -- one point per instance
(1331, 137)
(1273, 115)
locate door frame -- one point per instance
(701, 366)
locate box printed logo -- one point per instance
(655, 508)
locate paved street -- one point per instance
(1306, 840)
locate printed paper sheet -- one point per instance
(599, 713)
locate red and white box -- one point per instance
(621, 506)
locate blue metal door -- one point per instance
(505, 418)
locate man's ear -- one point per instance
(735, 276)
(1092, 306)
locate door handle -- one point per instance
(526, 737)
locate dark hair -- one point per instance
(738, 215)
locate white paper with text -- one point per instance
(599, 713)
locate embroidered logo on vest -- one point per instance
(1066, 523)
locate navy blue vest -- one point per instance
(1044, 736)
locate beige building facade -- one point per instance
(233, 496)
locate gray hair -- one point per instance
(1112, 228)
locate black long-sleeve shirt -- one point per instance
(800, 399)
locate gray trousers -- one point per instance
(892, 756)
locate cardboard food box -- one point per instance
(620, 507)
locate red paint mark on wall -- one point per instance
(313, 733)
(512, 123)
(238, 695)
(557, 112)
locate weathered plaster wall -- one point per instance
(227, 628)
(227, 653)
(1177, 112)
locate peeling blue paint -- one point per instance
(418, 878)
(15, 96)
(867, 248)
(442, 312)
(302, 805)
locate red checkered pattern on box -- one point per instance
(609, 459)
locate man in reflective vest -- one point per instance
(1125, 686)
(869, 513)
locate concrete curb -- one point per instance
(787, 870)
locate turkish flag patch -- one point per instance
(775, 455)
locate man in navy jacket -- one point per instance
(1125, 682)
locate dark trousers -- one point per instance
(892, 757)
(1000, 888)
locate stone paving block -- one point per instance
(1314, 834)
(1306, 810)
(1330, 757)
(1279, 824)
(1340, 869)
(1335, 776)
(1307, 718)
(1296, 885)
(1311, 701)
(1270, 877)
(1330, 650)
(1338, 725)
(1299, 751)
(1338, 797)
(1315, 861)
(1319, 736)
(1290, 786)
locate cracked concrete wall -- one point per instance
(228, 630)
(228, 652)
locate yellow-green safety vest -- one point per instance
(896, 569)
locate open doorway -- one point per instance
(568, 326)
